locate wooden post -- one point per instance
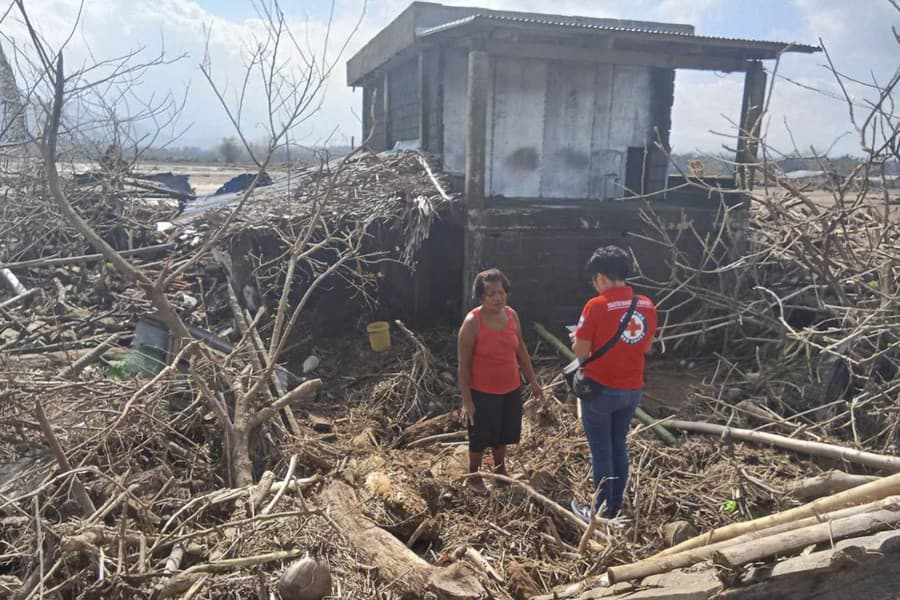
(386, 109)
(424, 101)
(476, 151)
(438, 133)
(476, 130)
(751, 119)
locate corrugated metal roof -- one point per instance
(583, 24)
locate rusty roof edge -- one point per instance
(786, 46)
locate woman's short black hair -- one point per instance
(612, 261)
(486, 276)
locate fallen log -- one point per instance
(445, 423)
(687, 558)
(869, 459)
(404, 506)
(661, 432)
(868, 492)
(826, 484)
(792, 541)
(405, 572)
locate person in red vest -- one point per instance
(491, 353)
(617, 377)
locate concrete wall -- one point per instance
(556, 129)
(543, 246)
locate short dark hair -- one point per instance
(486, 276)
(612, 261)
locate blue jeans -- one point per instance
(606, 418)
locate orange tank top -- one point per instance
(495, 366)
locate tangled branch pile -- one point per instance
(806, 321)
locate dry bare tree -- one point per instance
(805, 317)
(242, 393)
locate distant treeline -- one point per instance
(230, 151)
(721, 165)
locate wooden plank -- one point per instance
(641, 121)
(454, 110)
(605, 55)
(569, 118)
(621, 124)
(518, 127)
(606, 162)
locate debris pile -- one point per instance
(134, 464)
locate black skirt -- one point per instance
(498, 420)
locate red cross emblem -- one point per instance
(635, 330)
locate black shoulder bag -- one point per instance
(580, 384)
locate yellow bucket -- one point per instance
(379, 335)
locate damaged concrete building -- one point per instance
(555, 129)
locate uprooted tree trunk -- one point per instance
(407, 573)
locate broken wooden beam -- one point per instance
(861, 457)
(868, 492)
(661, 432)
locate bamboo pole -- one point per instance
(687, 558)
(869, 492)
(791, 541)
(869, 459)
(664, 434)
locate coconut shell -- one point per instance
(306, 579)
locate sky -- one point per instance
(857, 35)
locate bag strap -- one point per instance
(614, 339)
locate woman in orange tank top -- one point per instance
(491, 351)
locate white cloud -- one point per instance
(859, 40)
